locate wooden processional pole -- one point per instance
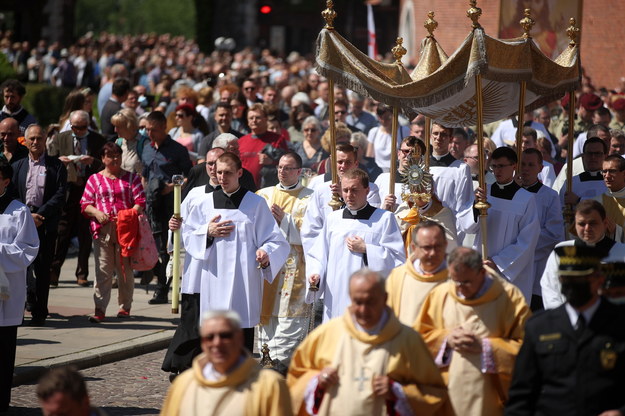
(398, 52)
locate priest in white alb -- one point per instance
(474, 326)
(239, 243)
(409, 284)
(366, 362)
(284, 312)
(357, 236)
(513, 226)
(225, 379)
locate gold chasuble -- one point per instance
(407, 289)
(248, 391)
(397, 351)
(499, 316)
(285, 296)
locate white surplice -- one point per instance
(19, 245)
(453, 185)
(584, 188)
(230, 278)
(330, 258)
(318, 209)
(513, 229)
(551, 230)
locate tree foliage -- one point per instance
(177, 17)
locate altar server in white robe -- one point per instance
(234, 235)
(19, 244)
(318, 208)
(591, 223)
(454, 187)
(384, 179)
(513, 226)
(359, 235)
(547, 175)
(549, 216)
(588, 184)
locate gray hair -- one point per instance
(311, 120)
(79, 114)
(617, 134)
(232, 317)
(464, 256)
(360, 139)
(33, 126)
(366, 273)
(223, 139)
(300, 98)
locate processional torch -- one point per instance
(177, 180)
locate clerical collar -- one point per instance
(377, 328)
(617, 194)
(210, 374)
(534, 188)
(229, 194)
(504, 191)
(221, 200)
(590, 176)
(288, 188)
(444, 160)
(604, 245)
(363, 213)
(417, 267)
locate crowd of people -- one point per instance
(410, 318)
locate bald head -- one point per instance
(368, 295)
(9, 132)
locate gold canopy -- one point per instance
(443, 88)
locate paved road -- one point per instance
(136, 386)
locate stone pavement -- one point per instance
(69, 338)
(135, 386)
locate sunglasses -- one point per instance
(180, 115)
(222, 335)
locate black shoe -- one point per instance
(172, 377)
(158, 299)
(37, 322)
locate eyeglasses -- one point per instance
(405, 152)
(181, 115)
(288, 169)
(226, 335)
(85, 127)
(610, 171)
(249, 89)
(493, 167)
(310, 130)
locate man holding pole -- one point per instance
(513, 225)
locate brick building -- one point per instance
(602, 32)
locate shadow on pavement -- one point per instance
(123, 411)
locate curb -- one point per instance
(30, 372)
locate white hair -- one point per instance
(232, 317)
(223, 139)
(300, 98)
(80, 114)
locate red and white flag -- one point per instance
(372, 44)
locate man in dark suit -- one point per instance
(121, 87)
(572, 360)
(40, 181)
(78, 149)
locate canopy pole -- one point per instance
(569, 209)
(481, 206)
(398, 52)
(426, 133)
(519, 130)
(335, 203)
(391, 185)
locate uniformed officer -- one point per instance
(614, 286)
(572, 361)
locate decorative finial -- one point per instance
(266, 361)
(430, 25)
(572, 32)
(329, 15)
(398, 50)
(474, 13)
(527, 23)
